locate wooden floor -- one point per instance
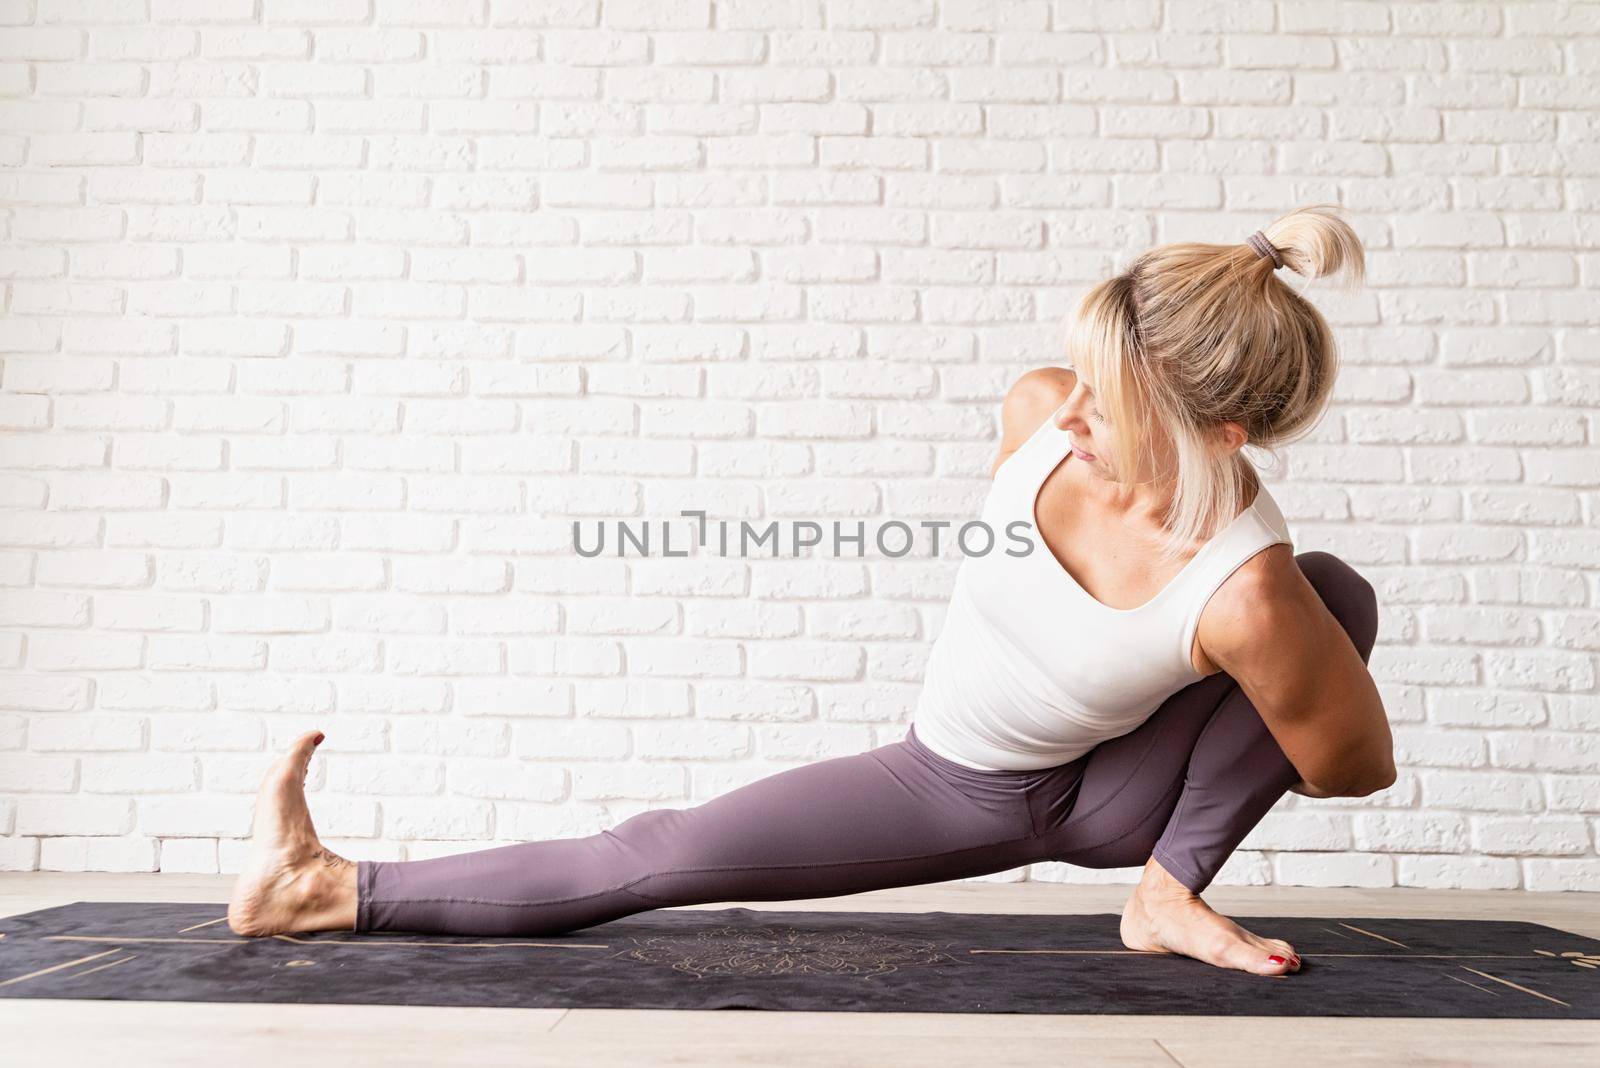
(294, 1036)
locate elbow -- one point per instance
(1380, 779)
(1376, 764)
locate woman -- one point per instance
(1139, 689)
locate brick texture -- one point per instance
(323, 322)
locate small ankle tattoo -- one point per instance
(331, 860)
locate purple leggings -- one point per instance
(1185, 788)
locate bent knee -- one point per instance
(1349, 596)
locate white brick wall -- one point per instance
(323, 319)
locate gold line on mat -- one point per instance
(441, 945)
(1515, 986)
(58, 967)
(602, 945)
(1425, 956)
(337, 942)
(1474, 986)
(1304, 956)
(180, 941)
(113, 964)
(1370, 934)
(208, 923)
(1080, 952)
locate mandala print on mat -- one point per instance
(742, 950)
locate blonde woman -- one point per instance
(1138, 690)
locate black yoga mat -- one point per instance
(739, 958)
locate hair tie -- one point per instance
(1264, 249)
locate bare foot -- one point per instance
(290, 882)
(1163, 916)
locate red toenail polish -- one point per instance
(319, 738)
(1277, 960)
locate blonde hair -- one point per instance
(1193, 335)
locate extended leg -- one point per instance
(892, 816)
(897, 815)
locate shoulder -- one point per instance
(1265, 602)
(1039, 391)
(1032, 399)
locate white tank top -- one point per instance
(1028, 670)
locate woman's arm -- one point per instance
(1270, 631)
(1305, 789)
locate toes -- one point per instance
(1279, 950)
(295, 762)
(1269, 956)
(304, 746)
(1275, 964)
